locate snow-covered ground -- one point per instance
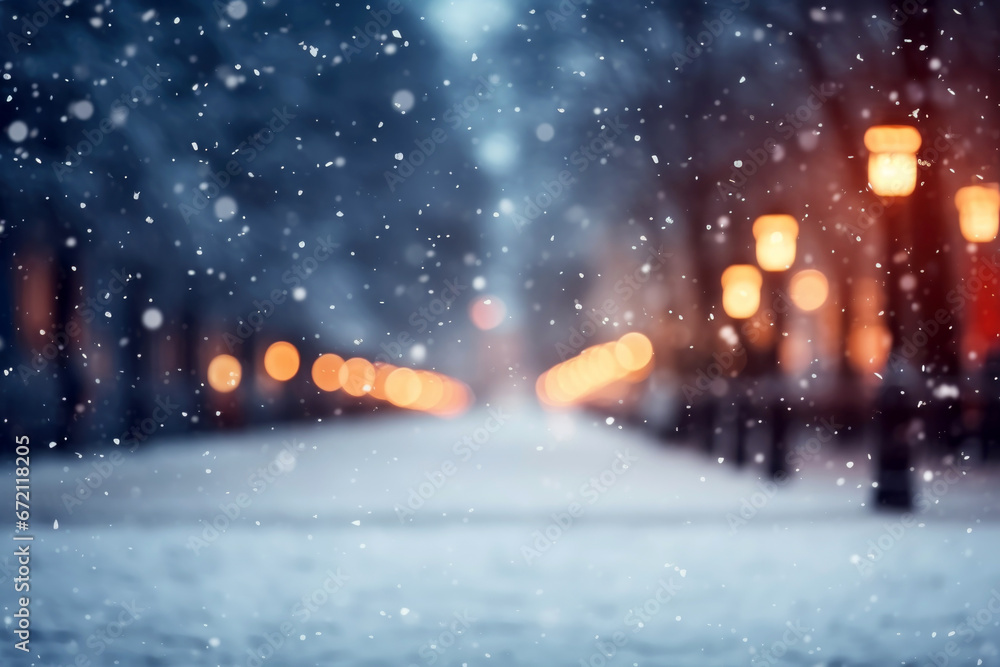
(666, 558)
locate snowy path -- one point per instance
(452, 585)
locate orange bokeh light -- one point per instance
(402, 387)
(382, 373)
(326, 372)
(809, 289)
(892, 164)
(431, 391)
(224, 373)
(357, 376)
(979, 212)
(595, 369)
(281, 361)
(634, 351)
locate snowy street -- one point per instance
(496, 333)
(346, 554)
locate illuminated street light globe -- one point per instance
(224, 373)
(281, 361)
(776, 236)
(979, 212)
(892, 165)
(741, 285)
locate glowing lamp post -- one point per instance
(892, 165)
(979, 212)
(741, 285)
(776, 236)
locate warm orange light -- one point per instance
(357, 376)
(776, 235)
(431, 391)
(809, 289)
(455, 399)
(633, 352)
(281, 361)
(402, 387)
(224, 373)
(892, 165)
(741, 285)
(487, 312)
(382, 373)
(325, 372)
(595, 369)
(868, 347)
(979, 212)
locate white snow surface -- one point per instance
(665, 521)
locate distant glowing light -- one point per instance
(326, 372)
(281, 361)
(809, 289)
(357, 376)
(595, 369)
(776, 236)
(741, 285)
(892, 165)
(487, 313)
(224, 373)
(634, 351)
(402, 387)
(498, 151)
(979, 212)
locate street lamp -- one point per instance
(892, 172)
(776, 235)
(741, 285)
(979, 212)
(892, 165)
